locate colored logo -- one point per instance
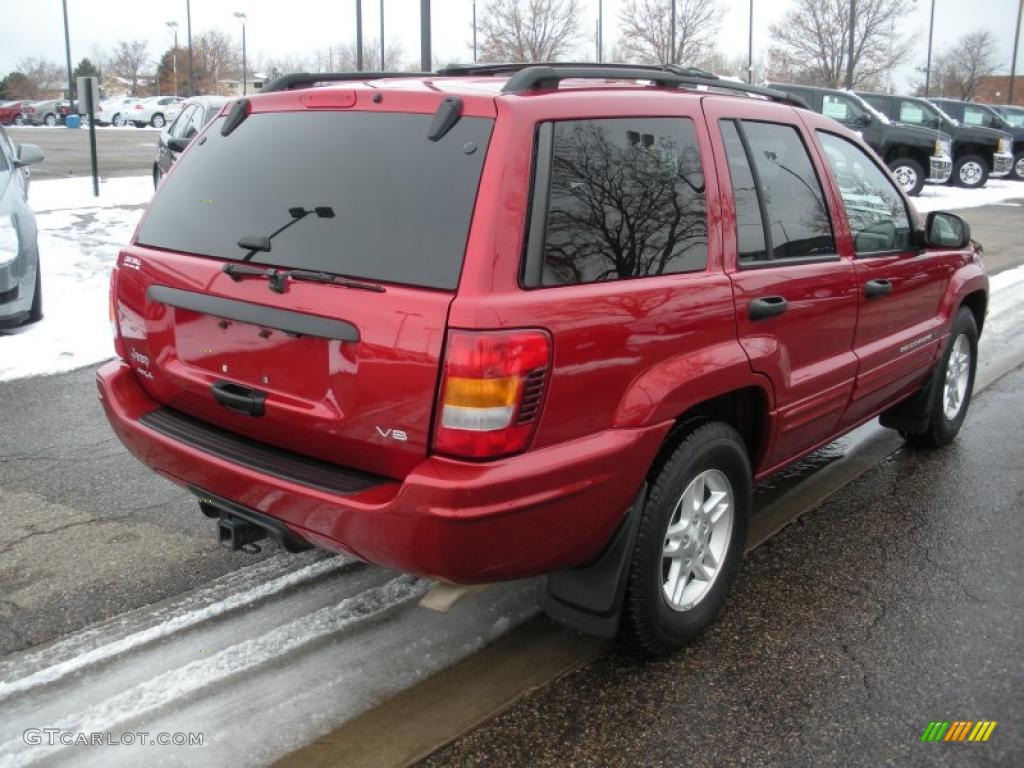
(958, 730)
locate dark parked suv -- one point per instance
(978, 152)
(913, 154)
(972, 113)
(490, 323)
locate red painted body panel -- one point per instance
(629, 357)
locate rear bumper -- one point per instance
(940, 169)
(456, 521)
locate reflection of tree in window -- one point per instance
(626, 200)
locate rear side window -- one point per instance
(877, 213)
(789, 202)
(616, 199)
(360, 194)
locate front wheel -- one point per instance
(952, 386)
(19, 120)
(970, 172)
(36, 312)
(50, 120)
(689, 542)
(908, 174)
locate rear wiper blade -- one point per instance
(327, 277)
(278, 279)
(261, 243)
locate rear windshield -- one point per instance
(358, 194)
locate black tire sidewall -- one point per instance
(661, 629)
(943, 430)
(36, 312)
(918, 169)
(961, 163)
(1013, 171)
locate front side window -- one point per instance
(798, 222)
(840, 108)
(978, 116)
(625, 198)
(877, 213)
(916, 114)
(1014, 118)
(181, 122)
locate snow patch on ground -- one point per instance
(939, 197)
(79, 239)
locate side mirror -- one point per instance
(29, 154)
(946, 230)
(863, 119)
(177, 144)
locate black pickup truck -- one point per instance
(978, 152)
(972, 113)
(1015, 117)
(913, 154)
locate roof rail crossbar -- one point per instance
(306, 79)
(535, 77)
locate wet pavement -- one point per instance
(897, 602)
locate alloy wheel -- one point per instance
(958, 373)
(1018, 168)
(697, 539)
(971, 173)
(905, 176)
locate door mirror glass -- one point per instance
(946, 230)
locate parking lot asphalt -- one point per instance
(898, 602)
(119, 151)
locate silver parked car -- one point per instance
(156, 111)
(21, 293)
(41, 112)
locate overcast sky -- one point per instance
(287, 27)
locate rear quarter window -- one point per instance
(618, 198)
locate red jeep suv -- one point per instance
(495, 322)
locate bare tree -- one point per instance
(42, 78)
(216, 57)
(961, 69)
(342, 58)
(811, 41)
(129, 60)
(529, 30)
(646, 31)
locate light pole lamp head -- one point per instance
(240, 15)
(172, 24)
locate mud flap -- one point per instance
(912, 415)
(589, 597)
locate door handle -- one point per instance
(875, 288)
(766, 306)
(238, 398)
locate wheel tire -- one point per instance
(1018, 167)
(157, 121)
(909, 175)
(117, 121)
(50, 120)
(19, 120)
(650, 624)
(157, 175)
(970, 172)
(35, 314)
(942, 427)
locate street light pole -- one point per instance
(191, 74)
(426, 60)
(600, 30)
(849, 54)
(474, 31)
(67, 51)
(1016, 44)
(750, 46)
(242, 17)
(381, 35)
(928, 66)
(672, 35)
(359, 35)
(174, 55)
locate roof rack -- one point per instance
(305, 79)
(535, 77)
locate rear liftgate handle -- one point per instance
(766, 306)
(238, 398)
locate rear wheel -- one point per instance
(952, 386)
(157, 121)
(908, 174)
(1018, 167)
(50, 120)
(19, 120)
(117, 121)
(689, 541)
(970, 172)
(157, 175)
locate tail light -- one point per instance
(115, 326)
(491, 392)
